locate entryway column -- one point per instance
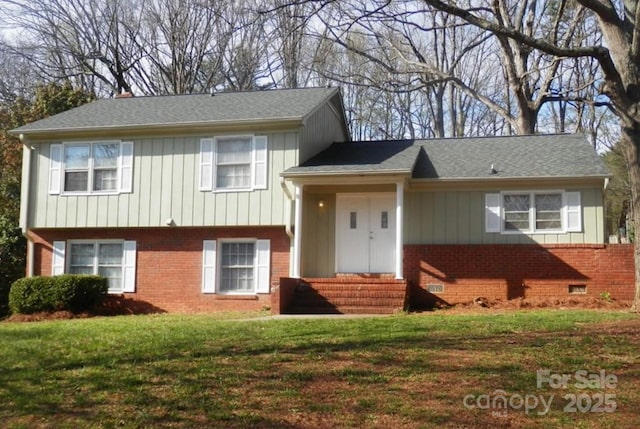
(297, 238)
(399, 240)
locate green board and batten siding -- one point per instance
(165, 185)
(321, 129)
(439, 217)
(457, 217)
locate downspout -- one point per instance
(287, 222)
(287, 218)
(24, 201)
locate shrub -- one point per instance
(75, 293)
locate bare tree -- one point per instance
(421, 51)
(183, 43)
(66, 39)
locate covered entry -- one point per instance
(365, 233)
(348, 209)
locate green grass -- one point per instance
(405, 370)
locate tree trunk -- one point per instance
(631, 144)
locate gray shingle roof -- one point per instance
(558, 155)
(186, 109)
(360, 157)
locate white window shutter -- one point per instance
(129, 269)
(57, 263)
(209, 266)
(55, 168)
(263, 265)
(126, 167)
(206, 164)
(573, 210)
(260, 162)
(493, 219)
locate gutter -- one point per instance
(150, 127)
(346, 173)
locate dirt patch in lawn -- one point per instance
(487, 305)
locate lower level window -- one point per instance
(100, 258)
(237, 267)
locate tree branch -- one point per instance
(600, 53)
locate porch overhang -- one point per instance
(360, 178)
(365, 182)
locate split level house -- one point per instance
(237, 201)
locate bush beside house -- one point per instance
(75, 293)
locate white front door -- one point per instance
(365, 233)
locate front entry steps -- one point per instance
(352, 294)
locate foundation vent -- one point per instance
(435, 288)
(577, 289)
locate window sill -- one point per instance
(236, 297)
(538, 232)
(85, 194)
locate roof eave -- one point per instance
(241, 124)
(511, 178)
(530, 182)
(342, 173)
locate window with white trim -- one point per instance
(533, 212)
(237, 262)
(236, 266)
(99, 258)
(91, 167)
(113, 259)
(233, 163)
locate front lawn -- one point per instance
(424, 370)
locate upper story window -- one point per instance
(92, 167)
(533, 212)
(233, 163)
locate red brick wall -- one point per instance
(169, 263)
(282, 294)
(520, 270)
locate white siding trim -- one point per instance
(573, 212)
(55, 169)
(263, 265)
(492, 212)
(126, 167)
(260, 154)
(57, 263)
(206, 164)
(209, 266)
(129, 266)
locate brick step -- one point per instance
(349, 295)
(343, 310)
(353, 280)
(349, 301)
(353, 286)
